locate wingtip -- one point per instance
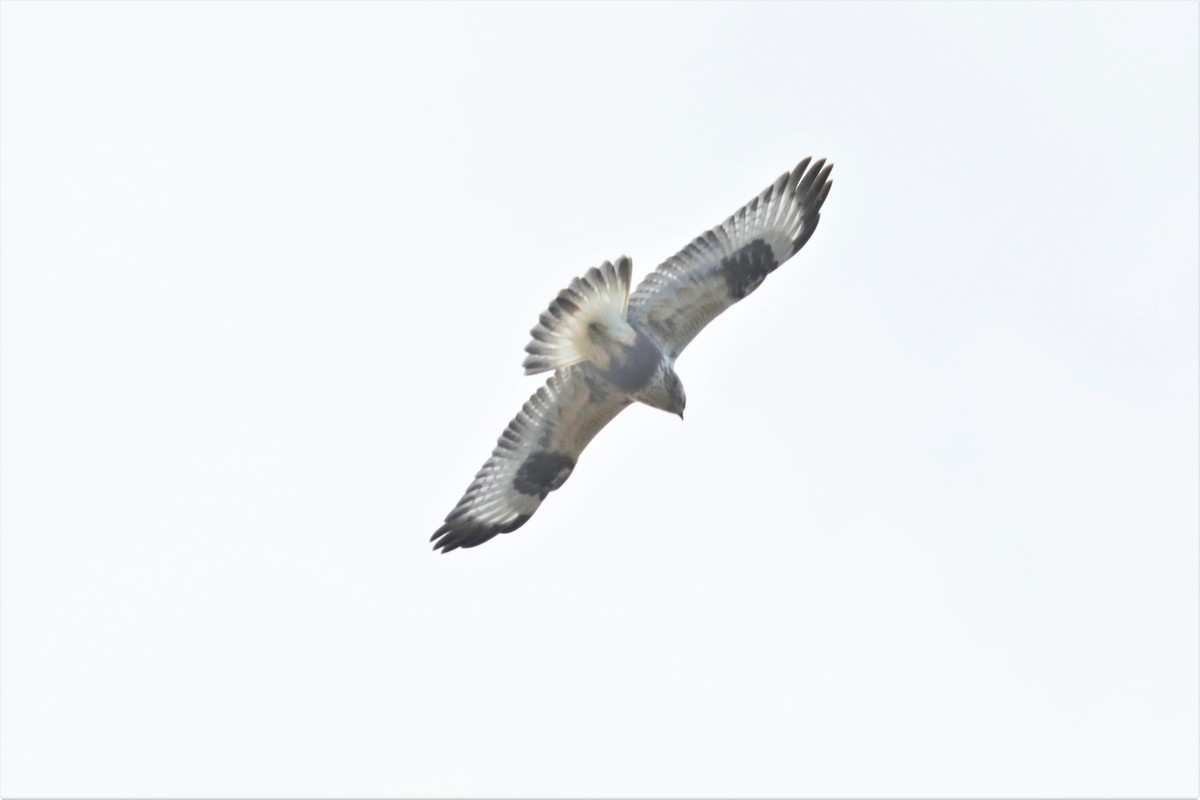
(443, 540)
(459, 531)
(824, 192)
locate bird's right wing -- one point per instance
(692, 287)
(534, 456)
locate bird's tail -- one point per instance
(587, 314)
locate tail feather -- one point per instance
(590, 310)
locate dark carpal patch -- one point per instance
(633, 366)
(543, 472)
(745, 270)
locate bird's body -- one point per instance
(609, 348)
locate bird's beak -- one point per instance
(681, 415)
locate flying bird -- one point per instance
(608, 349)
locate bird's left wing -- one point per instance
(691, 288)
(534, 456)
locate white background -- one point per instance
(930, 527)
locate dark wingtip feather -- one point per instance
(812, 191)
(817, 190)
(824, 193)
(452, 537)
(798, 172)
(809, 178)
(462, 532)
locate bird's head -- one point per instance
(664, 390)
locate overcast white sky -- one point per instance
(930, 527)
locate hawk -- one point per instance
(608, 349)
